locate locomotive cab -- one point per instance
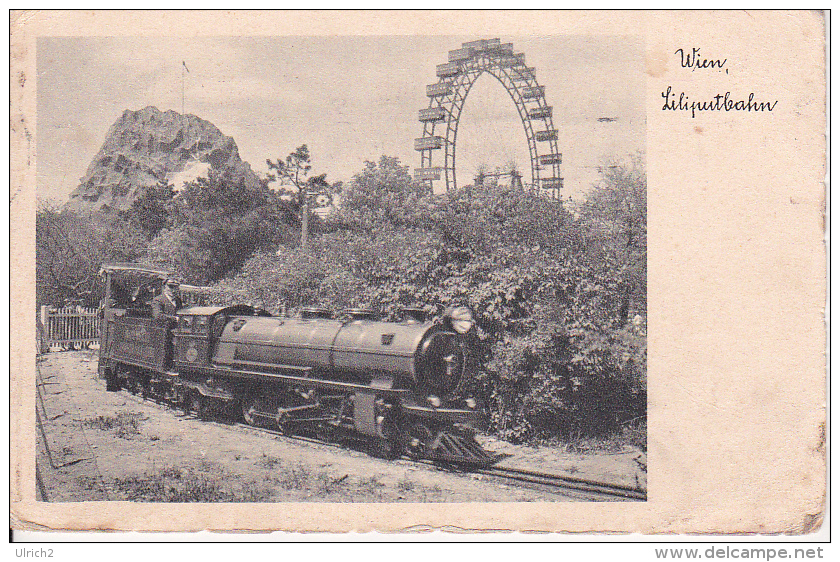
(199, 329)
(130, 339)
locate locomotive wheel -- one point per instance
(145, 389)
(198, 405)
(183, 400)
(132, 386)
(248, 409)
(112, 382)
(417, 438)
(173, 396)
(385, 449)
(325, 432)
(283, 423)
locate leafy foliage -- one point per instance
(383, 193)
(217, 223)
(556, 355)
(70, 248)
(150, 212)
(615, 216)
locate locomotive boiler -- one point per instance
(396, 384)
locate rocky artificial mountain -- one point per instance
(146, 146)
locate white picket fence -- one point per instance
(72, 327)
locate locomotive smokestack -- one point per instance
(414, 315)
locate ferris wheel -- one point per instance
(446, 101)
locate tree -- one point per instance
(294, 172)
(150, 212)
(480, 175)
(383, 192)
(615, 217)
(70, 248)
(217, 223)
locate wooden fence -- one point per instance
(72, 327)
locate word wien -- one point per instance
(693, 61)
(720, 102)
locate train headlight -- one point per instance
(434, 401)
(461, 319)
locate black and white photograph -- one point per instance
(341, 269)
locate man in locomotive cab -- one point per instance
(141, 299)
(164, 309)
(120, 296)
(166, 304)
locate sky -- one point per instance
(350, 99)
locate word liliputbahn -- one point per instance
(720, 102)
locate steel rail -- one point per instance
(567, 482)
(570, 479)
(557, 481)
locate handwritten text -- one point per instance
(720, 102)
(693, 61)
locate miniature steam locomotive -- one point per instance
(393, 383)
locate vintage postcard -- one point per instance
(356, 271)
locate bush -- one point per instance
(70, 248)
(383, 193)
(555, 353)
(216, 223)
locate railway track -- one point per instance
(565, 482)
(62, 450)
(590, 489)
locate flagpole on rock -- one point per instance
(183, 70)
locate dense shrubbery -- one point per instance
(556, 354)
(217, 223)
(204, 232)
(70, 247)
(559, 294)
